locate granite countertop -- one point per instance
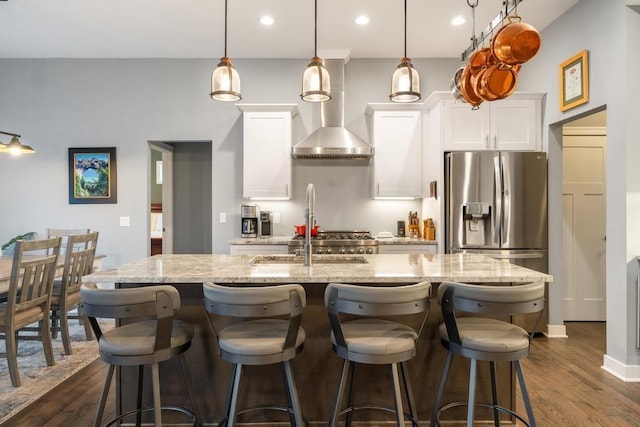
(273, 240)
(392, 268)
(283, 240)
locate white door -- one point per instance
(583, 167)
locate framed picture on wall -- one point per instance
(574, 81)
(92, 175)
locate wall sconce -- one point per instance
(15, 147)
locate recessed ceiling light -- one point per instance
(458, 20)
(362, 20)
(266, 20)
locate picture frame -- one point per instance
(92, 175)
(574, 81)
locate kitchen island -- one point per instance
(317, 368)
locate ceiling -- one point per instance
(195, 28)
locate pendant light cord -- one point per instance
(315, 29)
(225, 28)
(405, 28)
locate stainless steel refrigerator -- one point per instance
(496, 204)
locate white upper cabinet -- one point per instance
(397, 139)
(266, 172)
(513, 124)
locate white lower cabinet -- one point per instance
(258, 249)
(407, 249)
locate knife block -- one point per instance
(414, 231)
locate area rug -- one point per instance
(36, 377)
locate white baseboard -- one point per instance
(556, 331)
(627, 373)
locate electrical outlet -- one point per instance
(124, 221)
(223, 217)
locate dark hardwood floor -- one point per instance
(564, 378)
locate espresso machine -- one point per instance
(250, 220)
(265, 224)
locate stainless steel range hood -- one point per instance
(332, 140)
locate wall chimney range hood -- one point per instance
(332, 140)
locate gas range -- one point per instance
(337, 242)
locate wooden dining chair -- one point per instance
(29, 297)
(65, 233)
(78, 262)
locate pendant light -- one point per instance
(316, 86)
(14, 146)
(405, 83)
(225, 81)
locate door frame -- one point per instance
(167, 195)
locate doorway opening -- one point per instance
(584, 217)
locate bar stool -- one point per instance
(370, 338)
(482, 338)
(258, 335)
(157, 338)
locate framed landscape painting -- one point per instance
(92, 175)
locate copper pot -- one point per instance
(516, 42)
(467, 90)
(498, 82)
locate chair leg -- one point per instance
(103, 396)
(47, 345)
(350, 391)
(139, 394)
(525, 394)
(293, 394)
(397, 394)
(409, 393)
(494, 394)
(472, 392)
(231, 415)
(54, 323)
(190, 389)
(443, 381)
(64, 331)
(157, 407)
(11, 342)
(346, 365)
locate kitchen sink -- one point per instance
(315, 259)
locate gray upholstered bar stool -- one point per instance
(152, 337)
(488, 339)
(258, 335)
(372, 338)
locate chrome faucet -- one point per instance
(309, 219)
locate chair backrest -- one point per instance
(78, 261)
(65, 233)
(492, 299)
(159, 302)
(375, 301)
(32, 274)
(254, 302)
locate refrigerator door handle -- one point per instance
(497, 199)
(506, 200)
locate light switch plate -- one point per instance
(223, 217)
(124, 221)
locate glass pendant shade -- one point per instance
(225, 82)
(405, 83)
(316, 85)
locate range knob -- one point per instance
(360, 250)
(328, 251)
(319, 251)
(352, 251)
(369, 250)
(342, 251)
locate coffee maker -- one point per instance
(249, 220)
(265, 224)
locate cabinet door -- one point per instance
(267, 155)
(397, 165)
(465, 129)
(515, 125)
